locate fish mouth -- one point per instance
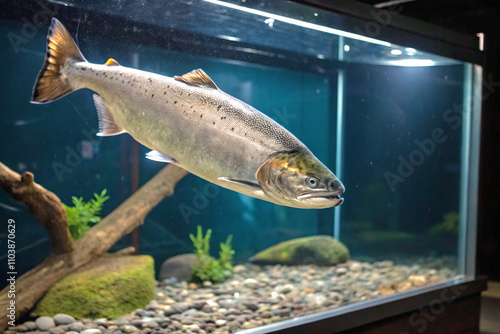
(328, 195)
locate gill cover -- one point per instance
(299, 179)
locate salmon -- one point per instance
(189, 122)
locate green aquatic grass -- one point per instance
(82, 213)
(208, 268)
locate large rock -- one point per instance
(322, 250)
(179, 266)
(109, 287)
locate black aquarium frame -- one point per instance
(400, 313)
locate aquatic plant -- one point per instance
(208, 268)
(84, 213)
(448, 226)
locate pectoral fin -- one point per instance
(254, 184)
(107, 123)
(158, 156)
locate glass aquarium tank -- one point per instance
(397, 125)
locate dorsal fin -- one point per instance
(112, 62)
(197, 78)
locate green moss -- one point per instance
(111, 287)
(320, 250)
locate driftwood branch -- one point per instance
(42, 203)
(31, 286)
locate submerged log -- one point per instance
(31, 286)
(42, 203)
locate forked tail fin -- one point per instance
(50, 83)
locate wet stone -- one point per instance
(63, 319)
(199, 304)
(181, 307)
(91, 331)
(31, 325)
(45, 323)
(136, 322)
(90, 325)
(251, 283)
(58, 330)
(101, 322)
(251, 306)
(207, 308)
(129, 329)
(150, 324)
(76, 327)
(19, 328)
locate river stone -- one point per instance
(76, 327)
(63, 319)
(91, 331)
(31, 325)
(108, 287)
(321, 250)
(179, 266)
(45, 323)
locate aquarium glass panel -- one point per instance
(390, 121)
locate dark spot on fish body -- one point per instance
(181, 93)
(165, 93)
(175, 102)
(201, 116)
(121, 74)
(152, 95)
(213, 123)
(83, 68)
(232, 129)
(218, 107)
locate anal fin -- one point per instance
(158, 156)
(107, 122)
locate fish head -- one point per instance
(298, 179)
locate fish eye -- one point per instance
(312, 182)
